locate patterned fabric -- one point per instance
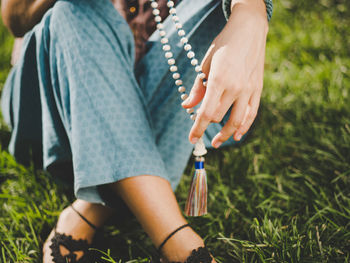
(75, 96)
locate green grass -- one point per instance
(281, 196)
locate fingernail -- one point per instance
(238, 137)
(194, 140)
(186, 101)
(217, 144)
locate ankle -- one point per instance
(70, 223)
(95, 213)
(180, 246)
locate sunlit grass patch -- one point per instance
(281, 196)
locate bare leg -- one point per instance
(153, 202)
(71, 223)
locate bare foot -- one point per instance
(70, 223)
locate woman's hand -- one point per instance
(234, 65)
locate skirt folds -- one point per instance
(76, 99)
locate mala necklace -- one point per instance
(196, 204)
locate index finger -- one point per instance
(206, 112)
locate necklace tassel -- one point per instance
(196, 204)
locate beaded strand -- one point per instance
(196, 203)
(169, 55)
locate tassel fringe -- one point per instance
(196, 204)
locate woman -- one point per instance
(96, 100)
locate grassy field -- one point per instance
(281, 196)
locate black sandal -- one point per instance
(199, 255)
(78, 249)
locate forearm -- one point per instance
(22, 15)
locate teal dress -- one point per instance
(77, 103)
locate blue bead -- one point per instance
(199, 165)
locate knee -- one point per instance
(89, 23)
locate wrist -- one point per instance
(265, 6)
(249, 12)
(256, 4)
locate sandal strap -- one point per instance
(84, 218)
(170, 235)
(72, 245)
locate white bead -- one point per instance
(172, 11)
(178, 25)
(170, 4)
(162, 33)
(175, 18)
(190, 110)
(166, 47)
(183, 40)
(202, 75)
(168, 54)
(198, 69)
(164, 40)
(205, 83)
(194, 62)
(199, 148)
(155, 12)
(154, 4)
(157, 19)
(176, 75)
(173, 68)
(178, 82)
(160, 26)
(193, 116)
(181, 89)
(184, 96)
(181, 33)
(171, 61)
(190, 54)
(187, 47)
